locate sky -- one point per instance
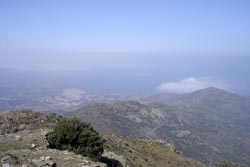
(129, 45)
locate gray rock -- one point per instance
(7, 165)
(5, 158)
(41, 163)
(47, 158)
(33, 145)
(38, 162)
(42, 158)
(112, 155)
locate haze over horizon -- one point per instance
(127, 46)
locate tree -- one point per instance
(228, 164)
(77, 136)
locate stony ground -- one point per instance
(23, 144)
(29, 148)
(148, 153)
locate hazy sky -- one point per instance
(148, 42)
(167, 26)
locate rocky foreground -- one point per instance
(23, 144)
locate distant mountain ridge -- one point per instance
(208, 125)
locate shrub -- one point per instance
(77, 136)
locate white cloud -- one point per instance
(190, 85)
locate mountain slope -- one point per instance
(219, 123)
(123, 118)
(28, 146)
(208, 125)
(148, 153)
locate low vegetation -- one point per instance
(228, 164)
(147, 153)
(17, 121)
(77, 136)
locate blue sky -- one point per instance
(159, 40)
(169, 26)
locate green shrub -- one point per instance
(77, 136)
(228, 164)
